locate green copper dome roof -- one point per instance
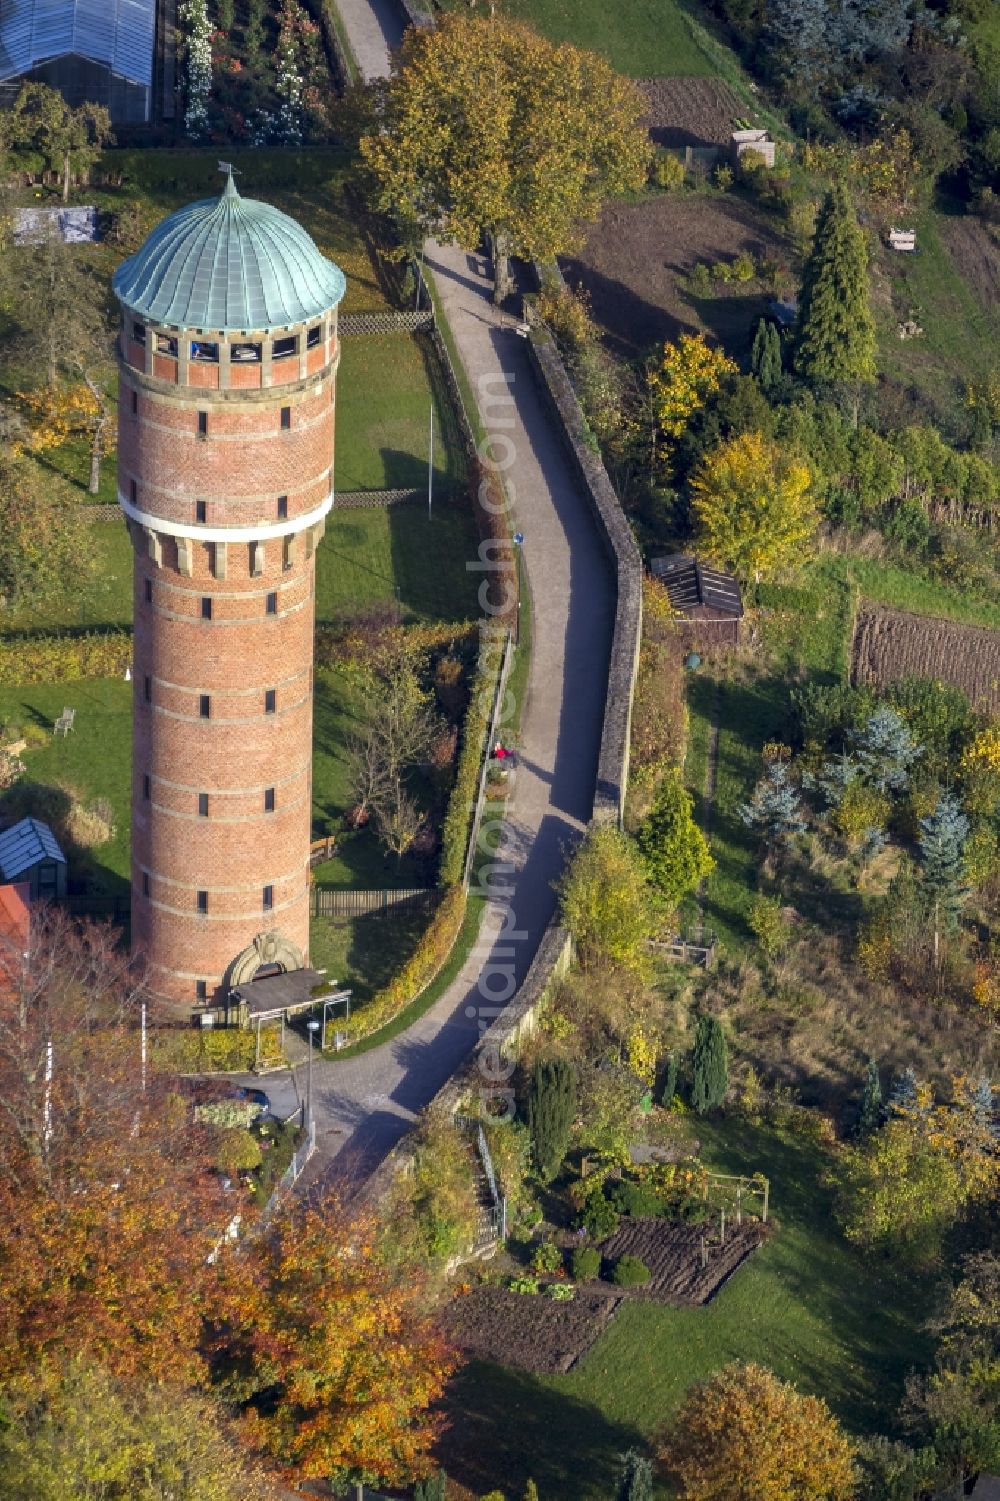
(229, 263)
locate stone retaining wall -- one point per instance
(493, 1056)
(612, 772)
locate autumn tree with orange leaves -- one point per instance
(108, 1207)
(745, 1434)
(338, 1360)
(110, 1211)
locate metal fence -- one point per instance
(361, 903)
(371, 500)
(385, 323)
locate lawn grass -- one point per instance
(94, 760)
(386, 385)
(806, 1305)
(639, 37)
(363, 953)
(360, 947)
(395, 555)
(100, 595)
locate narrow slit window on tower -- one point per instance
(315, 336)
(201, 990)
(268, 898)
(135, 403)
(286, 419)
(149, 591)
(205, 706)
(133, 489)
(201, 510)
(203, 424)
(145, 786)
(147, 689)
(202, 804)
(282, 507)
(270, 700)
(268, 799)
(203, 902)
(206, 607)
(139, 332)
(272, 602)
(145, 883)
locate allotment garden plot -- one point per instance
(637, 264)
(893, 644)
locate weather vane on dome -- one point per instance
(228, 168)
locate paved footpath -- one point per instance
(365, 1104)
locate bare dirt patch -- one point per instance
(673, 1254)
(534, 1333)
(893, 644)
(637, 258)
(691, 111)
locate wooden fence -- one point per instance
(361, 903)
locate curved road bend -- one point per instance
(364, 1105)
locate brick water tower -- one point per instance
(228, 359)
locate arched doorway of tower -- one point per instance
(269, 954)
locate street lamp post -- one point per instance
(313, 1028)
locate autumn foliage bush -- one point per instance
(744, 1433)
(65, 659)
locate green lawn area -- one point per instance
(94, 760)
(807, 1306)
(639, 37)
(385, 386)
(99, 596)
(363, 953)
(396, 555)
(960, 328)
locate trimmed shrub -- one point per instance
(585, 1264)
(191, 1050)
(635, 1200)
(65, 659)
(599, 1217)
(668, 171)
(458, 819)
(629, 1271)
(431, 952)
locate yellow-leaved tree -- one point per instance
(689, 373)
(486, 128)
(753, 505)
(746, 1434)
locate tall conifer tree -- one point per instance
(835, 339)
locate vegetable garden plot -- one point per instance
(533, 1332)
(673, 1253)
(893, 644)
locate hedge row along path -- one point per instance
(364, 1105)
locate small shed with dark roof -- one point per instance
(707, 600)
(30, 854)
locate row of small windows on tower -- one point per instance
(267, 900)
(269, 797)
(206, 351)
(205, 699)
(270, 601)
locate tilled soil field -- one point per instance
(534, 1333)
(893, 644)
(638, 256)
(673, 1254)
(691, 111)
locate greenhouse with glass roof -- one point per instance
(96, 51)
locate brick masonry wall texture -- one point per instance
(252, 637)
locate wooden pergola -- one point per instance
(279, 998)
